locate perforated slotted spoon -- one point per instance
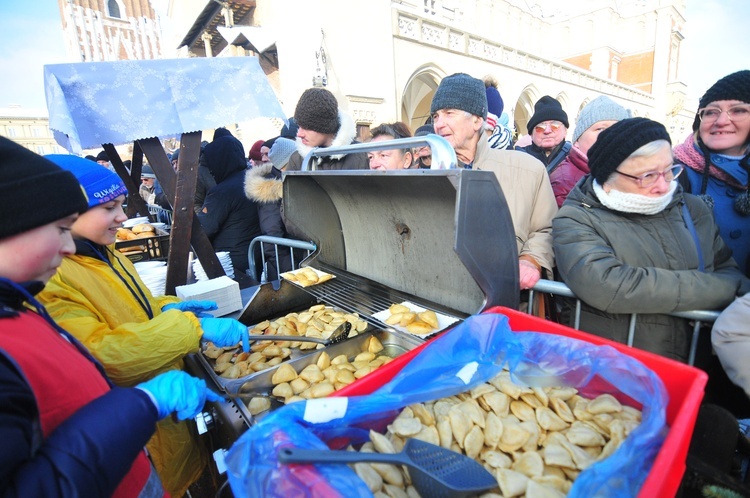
(436, 472)
(341, 333)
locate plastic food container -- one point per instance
(684, 385)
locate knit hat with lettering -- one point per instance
(735, 86)
(100, 184)
(318, 110)
(461, 91)
(547, 109)
(34, 191)
(616, 143)
(601, 108)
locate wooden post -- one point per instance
(180, 190)
(135, 202)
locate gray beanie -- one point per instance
(147, 172)
(281, 150)
(601, 108)
(461, 91)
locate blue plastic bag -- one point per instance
(459, 360)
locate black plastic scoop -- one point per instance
(341, 333)
(436, 472)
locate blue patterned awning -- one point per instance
(94, 103)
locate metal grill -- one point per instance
(365, 297)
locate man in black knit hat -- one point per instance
(322, 124)
(548, 128)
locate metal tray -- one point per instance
(228, 384)
(395, 344)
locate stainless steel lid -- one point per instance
(445, 236)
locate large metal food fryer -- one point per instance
(442, 239)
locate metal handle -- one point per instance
(300, 455)
(443, 155)
(287, 338)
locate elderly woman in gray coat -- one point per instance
(628, 240)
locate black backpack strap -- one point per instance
(559, 157)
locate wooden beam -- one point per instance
(180, 190)
(135, 202)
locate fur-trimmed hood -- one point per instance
(263, 184)
(347, 132)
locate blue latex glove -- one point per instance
(197, 307)
(178, 392)
(225, 332)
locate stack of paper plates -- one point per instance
(224, 291)
(154, 275)
(226, 263)
(134, 221)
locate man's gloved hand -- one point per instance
(178, 392)
(225, 332)
(197, 307)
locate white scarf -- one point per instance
(634, 203)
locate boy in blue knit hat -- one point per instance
(98, 296)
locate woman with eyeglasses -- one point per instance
(628, 240)
(721, 140)
(392, 158)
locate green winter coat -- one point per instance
(620, 263)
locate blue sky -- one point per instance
(716, 43)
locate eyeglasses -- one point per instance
(735, 114)
(542, 127)
(146, 179)
(648, 179)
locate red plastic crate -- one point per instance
(684, 385)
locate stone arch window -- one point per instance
(417, 95)
(115, 9)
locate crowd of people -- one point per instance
(629, 221)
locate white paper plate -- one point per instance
(444, 321)
(319, 273)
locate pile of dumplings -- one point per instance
(318, 321)
(535, 441)
(307, 276)
(327, 374)
(419, 323)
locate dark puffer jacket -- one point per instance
(620, 263)
(263, 185)
(228, 217)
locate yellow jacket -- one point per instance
(90, 300)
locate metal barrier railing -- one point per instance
(162, 215)
(699, 317)
(276, 241)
